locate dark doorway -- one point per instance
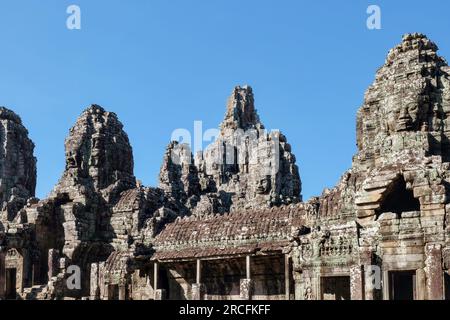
(402, 285)
(163, 281)
(447, 285)
(11, 282)
(335, 288)
(399, 199)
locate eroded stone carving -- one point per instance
(17, 165)
(237, 208)
(246, 167)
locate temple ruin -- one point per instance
(230, 223)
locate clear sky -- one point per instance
(163, 64)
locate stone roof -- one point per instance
(129, 200)
(237, 233)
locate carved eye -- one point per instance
(413, 107)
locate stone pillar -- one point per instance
(421, 284)
(298, 286)
(199, 271)
(160, 294)
(53, 263)
(306, 286)
(198, 289)
(2, 274)
(247, 267)
(287, 277)
(27, 267)
(356, 283)
(94, 282)
(102, 286)
(157, 294)
(106, 290)
(316, 286)
(246, 286)
(371, 274)
(372, 281)
(122, 292)
(246, 289)
(434, 272)
(386, 285)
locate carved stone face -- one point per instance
(71, 161)
(97, 153)
(264, 186)
(406, 115)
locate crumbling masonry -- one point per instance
(230, 223)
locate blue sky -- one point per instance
(163, 64)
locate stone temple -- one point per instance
(230, 222)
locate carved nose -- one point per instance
(404, 115)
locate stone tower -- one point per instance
(407, 107)
(74, 222)
(246, 167)
(98, 155)
(17, 165)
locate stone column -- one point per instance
(94, 282)
(122, 292)
(102, 286)
(371, 274)
(198, 289)
(199, 271)
(421, 284)
(287, 277)
(27, 266)
(434, 272)
(106, 289)
(306, 286)
(155, 275)
(53, 263)
(298, 286)
(246, 286)
(372, 281)
(386, 285)
(2, 274)
(316, 286)
(246, 289)
(356, 283)
(247, 267)
(159, 293)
